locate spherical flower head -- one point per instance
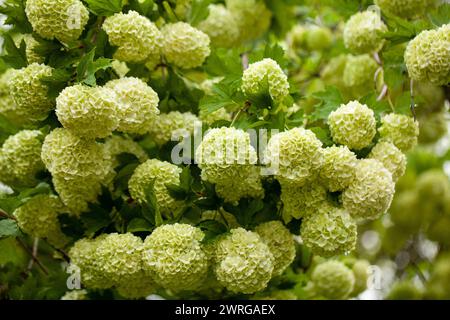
(401, 130)
(219, 115)
(370, 193)
(138, 104)
(391, 157)
(338, 169)
(318, 38)
(31, 44)
(172, 125)
(280, 242)
(405, 8)
(117, 145)
(8, 107)
(75, 295)
(20, 158)
(139, 286)
(434, 186)
(333, 72)
(30, 95)
(228, 160)
(333, 280)
(353, 125)
(173, 255)
(265, 76)
(77, 192)
(405, 211)
(362, 32)
(160, 173)
(244, 263)
(404, 290)
(295, 155)
(329, 232)
(69, 156)
(297, 36)
(221, 26)
(185, 46)
(427, 56)
(61, 19)
(252, 16)
(359, 70)
(88, 112)
(119, 256)
(136, 37)
(38, 217)
(361, 272)
(303, 201)
(432, 127)
(83, 258)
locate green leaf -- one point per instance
(212, 228)
(14, 10)
(330, 100)
(378, 107)
(323, 135)
(151, 208)
(8, 228)
(139, 225)
(403, 104)
(104, 7)
(272, 51)
(87, 68)
(71, 226)
(57, 81)
(15, 57)
(143, 7)
(199, 11)
(224, 97)
(224, 62)
(441, 15)
(97, 218)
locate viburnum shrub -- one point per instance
(237, 149)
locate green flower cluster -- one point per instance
(333, 280)
(401, 130)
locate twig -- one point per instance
(34, 253)
(419, 272)
(39, 263)
(245, 62)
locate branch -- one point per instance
(41, 266)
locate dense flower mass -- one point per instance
(156, 175)
(370, 193)
(244, 263)
(427, 56)
(20, 158)
(333, 280)
(88, 112)
(329, 232)
(265, 77)
(137, 38)
(221, 26)
(353, 125)
(137, 104)
(29, 94)
(401, 130)
(362, 32)
(185, 46)
(174, 255)
(295, 155)
(234, 149)
(61, 19)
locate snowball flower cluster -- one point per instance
(170, 125)
(359, 71)
(39, 218)
(401, 130)
(333, 280)
(405, 8)
(362, 32)
(159, 173)
(427, 56)
(370, 193)
(137, 104)
(174, 255)
(244, 263)
(330, 231)
(20, 158)
(61, 19)
(185, 46)
(391, 157)
(221, 26)
(137, 38)
(353, 125)
(338, 169)
(265, 77)
(280, 242)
